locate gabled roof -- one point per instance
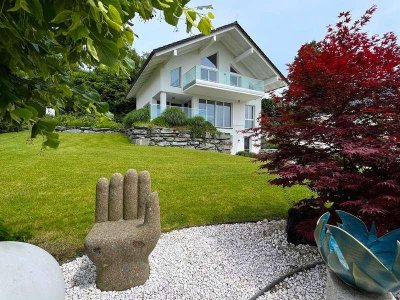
(159, 55)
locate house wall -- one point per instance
(160, 82)
(149, 90)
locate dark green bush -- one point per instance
(160, 121)
(200, 127)
(138, 115)
(7, 234)
(174, 116)
(246, 154)
(10, 127)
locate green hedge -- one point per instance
(174, 116)
(200, 127)
(137, 116)
(74, 120)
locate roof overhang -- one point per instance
(234, 38)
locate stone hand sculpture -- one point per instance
(127, 229)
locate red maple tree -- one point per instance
(338, 128)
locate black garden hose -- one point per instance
(280, 279)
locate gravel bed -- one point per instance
(230, 261)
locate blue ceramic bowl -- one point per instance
(357, 256)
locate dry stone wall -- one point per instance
(85, 130)
(167, 137)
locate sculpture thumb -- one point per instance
(152, 213)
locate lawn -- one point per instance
(51, 193)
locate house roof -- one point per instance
(159, 55)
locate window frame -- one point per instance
(247, 138)
(217, 58)
(253, 108)
(214, 103)
(179, 76)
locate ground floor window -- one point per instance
(217, 113)
(247, 143)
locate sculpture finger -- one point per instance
(130, 195)
(115, 200)
(101, 214)
(152, 215)
(144, 192)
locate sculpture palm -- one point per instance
(127, 229)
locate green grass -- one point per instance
(51, 193)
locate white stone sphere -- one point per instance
(29, 272)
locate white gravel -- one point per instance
(232, 261)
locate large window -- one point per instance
(176, 77)
(249, 116)
(210, 61)
(217, 113)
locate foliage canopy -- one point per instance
(338, 127)
(42, 40)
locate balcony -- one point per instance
(213, 83)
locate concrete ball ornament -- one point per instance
(29, 272)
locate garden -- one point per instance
(317, 218)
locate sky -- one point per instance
(279, 27)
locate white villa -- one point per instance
(222, 77)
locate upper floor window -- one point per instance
(210, 61)
(233, 70)
(176, 77)
(249, 116)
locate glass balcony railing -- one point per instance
(155, 111)
(221, 77)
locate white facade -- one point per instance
(219, 92)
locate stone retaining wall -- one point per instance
(167, 137)
(85, 130)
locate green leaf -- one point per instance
(113, 24)
(52, 140)
(190, 18)
(47, 125)
(204, 26)
(20, 4)
(62, 17)
(210, 15)
(33, 110)
(114, 14)
(79, 33)
(76, 22)
(91, 49)
(128, 33)
(22, 113)
(107, 52)
(43, 126)
(102, 107)
(36, 9)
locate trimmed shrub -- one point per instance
(200, 127)
(137, 115)
(174, 116)
(160, 121)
